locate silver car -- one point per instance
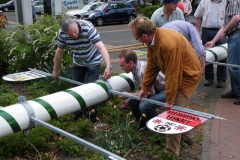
(38, 6)
(79, 12)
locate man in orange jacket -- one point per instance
(3, 20)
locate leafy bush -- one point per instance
(29, 46)
(148, 11)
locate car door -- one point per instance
(111, 15)
(121, 11)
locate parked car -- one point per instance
(111, 12)
(7, 6)
(134, 3)
(38, 6)
(79, 12)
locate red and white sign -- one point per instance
(22, 76)
(174, 122)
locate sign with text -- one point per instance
(174, 122)
(22, 76)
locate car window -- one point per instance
(113, 6)
(122, 5)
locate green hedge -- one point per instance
(148, 11)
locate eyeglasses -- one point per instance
(138, 37)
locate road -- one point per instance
(113, 35)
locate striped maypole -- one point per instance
(17, 117)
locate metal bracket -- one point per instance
(23, 101)
(110, 95)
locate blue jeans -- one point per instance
(208, 35)
(234, 58)
(138, 108)
(186, 18)
(91, 74)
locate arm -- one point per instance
(190, 8)
(100, 46)
(199, 23)
(222, 32)
(57, 61)
(202, 61)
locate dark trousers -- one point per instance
(208, 35)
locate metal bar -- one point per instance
(202, 114)
(224, 64)
(187, 110)
(59, 77)
(76, 139)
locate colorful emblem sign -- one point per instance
(174, 122)
(22, 76)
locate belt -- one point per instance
(215, 29)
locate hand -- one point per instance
(123, 104)
(208, 45)
(107, 73)
(168, 106)
(142, 94)
(122, 97)
(55, 74)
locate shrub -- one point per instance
(148, 11)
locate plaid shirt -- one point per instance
(232, 8)
(138, 73)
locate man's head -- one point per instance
(142, 29)
(1, 13)
(69, 26)
(127, 60)
(170, 5)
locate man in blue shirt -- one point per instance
(88, 50)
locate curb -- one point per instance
(134, 46)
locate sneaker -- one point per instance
(229, 95)
(188, 142)
(237, 102)
(221, 85)
(208, 83)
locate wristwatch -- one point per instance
(109, 67)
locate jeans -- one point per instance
(138, 108)
(208, 35)
(91, 74)
(186, 18)
(234, 58)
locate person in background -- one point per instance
(190, 32)
(88, 51)
(34, 16)
(231, 28)
(3, 20)
(210, 16)
(187, 9)
(170, 52)
(167, 13)
(180, 6)
(128, 62)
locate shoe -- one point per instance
(188, 142)
(237, 102)
(229, 95)
(221, 85)
(208, 83)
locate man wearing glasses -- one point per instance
(171, 53)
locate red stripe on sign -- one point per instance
(183, 118)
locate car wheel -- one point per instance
(5, 9)
(131, 17)
(99, 21)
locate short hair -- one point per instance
(128, 55)
(142, 25)
(65, 22)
